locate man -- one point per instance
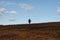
(29, 21)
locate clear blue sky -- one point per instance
(19, 11)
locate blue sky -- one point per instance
(19, 11)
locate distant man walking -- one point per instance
(29, 21)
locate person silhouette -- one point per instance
(29, 21)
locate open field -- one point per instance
(38, 31)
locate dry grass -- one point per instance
(46, 31)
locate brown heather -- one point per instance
(38, 31)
